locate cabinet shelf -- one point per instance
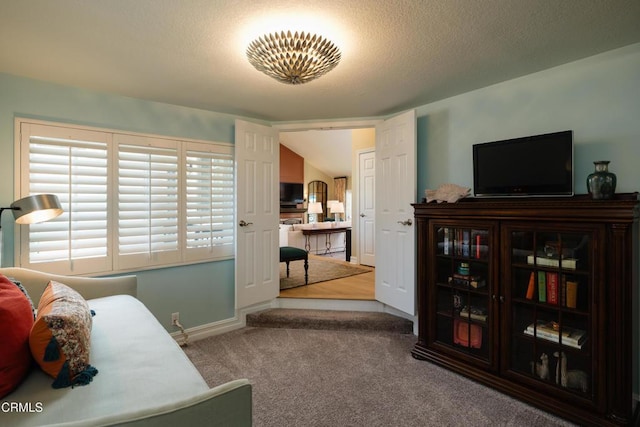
(551, 268)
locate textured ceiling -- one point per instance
(395, 54)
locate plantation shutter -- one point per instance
(71, 164)
(131, 201)
(147, 202)
(209, 201)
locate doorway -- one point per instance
(330, 148)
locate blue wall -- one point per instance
(598, 98)
(189, 290)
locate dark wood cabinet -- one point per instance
(536, 297)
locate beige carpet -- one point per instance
(319, 378)
(320, 270)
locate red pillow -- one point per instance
(16, 320)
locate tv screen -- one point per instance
(540, 165)
(291, 193)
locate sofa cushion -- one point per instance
(16, 318)
(141, 367)
(60, 337)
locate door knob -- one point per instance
(244, 224)
(362, 215)
(407, 222)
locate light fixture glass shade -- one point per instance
(36, 208)
(315, 208)
(293, 59)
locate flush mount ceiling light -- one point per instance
(293, 58)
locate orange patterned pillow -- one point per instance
(60, 337)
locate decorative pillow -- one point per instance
(60, 337)
(16, 319)
(26, 294)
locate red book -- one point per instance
(552, 288)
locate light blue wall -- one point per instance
(598, 98)
(202, 293)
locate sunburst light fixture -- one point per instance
(293, 58)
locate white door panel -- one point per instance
(257, 213)
(395, 192)
(366, 205)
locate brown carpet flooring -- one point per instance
(330, 320)
(304, 377)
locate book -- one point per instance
(532, 285)
(552, 288)
(446, 241)
(465, 243)
(572, 293)
(475, 282)
(549, 331)
(474, 313)
(542, 286)
(568, 263)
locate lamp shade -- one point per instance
(338, 208)
(330, 204)
(36, 208)
(315, 208)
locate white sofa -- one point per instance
(291, 235)
(144, 378)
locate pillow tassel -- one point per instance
(86, 376)
(64, 377)
(52, 350)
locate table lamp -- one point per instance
(337, 209)
(315, 208)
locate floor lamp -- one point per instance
(32, 209)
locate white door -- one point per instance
(395, 231)
(257, 154)
(366, 206)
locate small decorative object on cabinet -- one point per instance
(535, 297)
(601, 184)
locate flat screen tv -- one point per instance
(291, 193)
(539, 165)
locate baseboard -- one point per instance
(220, 327)
(240, 319)
(329, 304)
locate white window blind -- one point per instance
(210, 201)
(130, 201)
(73, 166)
(147, 202)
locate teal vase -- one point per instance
(601, 183)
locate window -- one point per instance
(130, 201)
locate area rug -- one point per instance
(320, 270)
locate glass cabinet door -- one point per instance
(549, 293)
(462, 289)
